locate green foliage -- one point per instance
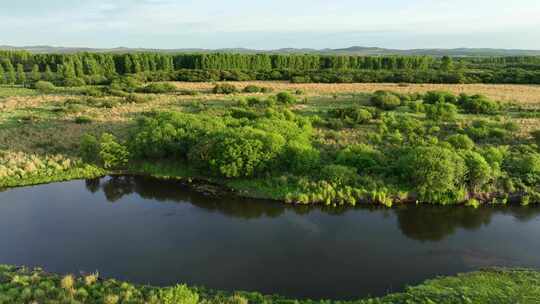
(44, 86)
(112, 154)
(366, 159)
(158, 88)
(127, 84)
(478, 104)
(286, 98)
(461, 141)
(83, 120)
(180, 294)
(74, 82)
(385, 100)
(242, 152)
(441, 111)
(89, 148)
(436, 173)
(339, 174)
(301, 158)
(225, 88)
(256, 89)
(479, 172)
(353, 115)
(487, 131)
(434, 97)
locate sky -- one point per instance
(272, 24)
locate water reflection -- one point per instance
(422, 223)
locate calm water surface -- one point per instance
(157, 232)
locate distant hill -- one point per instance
(355, 50)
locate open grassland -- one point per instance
(523, 94)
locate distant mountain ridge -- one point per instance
(354, 50)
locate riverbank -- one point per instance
(25, 285)
(301, 147)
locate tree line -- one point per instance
(94, 68)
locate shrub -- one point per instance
(111, 153)
(158, 88)
(89, 148)
(478, 170)
(301, 158)
(225, 88)
(180, 294)
(238, 152)
(525, 165)
(339, 174)
(364, 158)
(83, 120)
(74, 82)
(441, 111)
(285, 98)
(352, 115)
(478, 104)
(134, 98)
(436, 173)
(127, 84)
(385, 100)
(433, 97)
(461, 141)
(254, 89)
(44, 86)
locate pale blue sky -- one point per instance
(272, 24)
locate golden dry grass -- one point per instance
(524, 94)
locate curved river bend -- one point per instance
(157, 232)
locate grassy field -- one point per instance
(493, 286)
(522, 94)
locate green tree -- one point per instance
(49, 75)
(447, 64)
(21, 74)
(2, 75)
(11, 75)
(35, 74)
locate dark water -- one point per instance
(157, 232)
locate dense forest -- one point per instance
(21, 67)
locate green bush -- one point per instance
(366, 159)
(436, 173)
(241, 152)
(74, 82)
(478, 170)
(127, 84)
(461, 141)
(441, 111)
(339, 174)
(89, 149)
(225, 88)
(301, 158)
(385, 100)
(112, 154)
(478, 104)
(158, 88)
(83, 120)
(433, 97)
(285, 98)
(255, 89)
(525, 165)
(180, 294)
(44, 86)
(352, 115)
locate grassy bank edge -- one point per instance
(27, 285)
(255, 188)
